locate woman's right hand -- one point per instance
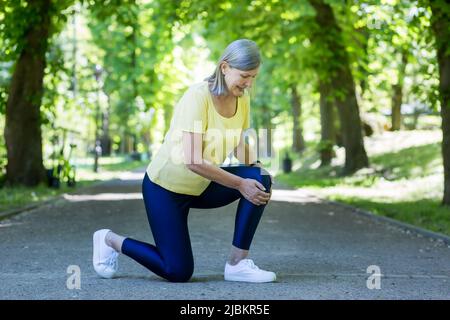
(252, 190)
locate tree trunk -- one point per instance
(122, 143)
(355, 153)
(134, 142)
(445, 112)
(396, 112)
(440, 23)
(330, 35)
(364, 62)
(327, 131)
(105, 138)
(298, 142)
(23, 135)
(397, 93)
(127, 143)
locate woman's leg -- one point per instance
(167, 214)
(248, 214)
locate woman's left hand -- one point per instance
(259, 165)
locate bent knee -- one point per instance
(267, 182)
(263, 176)
(265, 179)
(180, 275)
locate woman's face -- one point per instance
(238, 80)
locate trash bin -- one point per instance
(287, 164)
(135, 156)
(53, 181)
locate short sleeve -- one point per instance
(193, 111)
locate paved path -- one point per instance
(319, 250)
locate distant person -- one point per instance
(188, 172)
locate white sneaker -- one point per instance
(247, 271)
(105, 258)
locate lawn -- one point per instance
(404, 180)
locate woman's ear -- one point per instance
(224, 67)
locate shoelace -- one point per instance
(251, 264)
(112, 260)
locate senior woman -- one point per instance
(207, 125)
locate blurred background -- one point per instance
(355, 94)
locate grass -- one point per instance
(109, 168)
(428, 213)
(404, 180)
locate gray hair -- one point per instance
(242, 54)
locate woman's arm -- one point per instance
(193, 158)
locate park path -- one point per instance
(320, 250)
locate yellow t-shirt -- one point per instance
(195, 112)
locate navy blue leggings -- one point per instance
(167, 214)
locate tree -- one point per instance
(298, 142)
(28, 28)
(334, 69)
(440, 23)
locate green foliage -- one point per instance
(137, 42)
(148, 50)
(397, 29)
(55, 74)
(408, 163)
(280, 28)
(5, 72)
(404, 185)
(16, 17)
(324, 145)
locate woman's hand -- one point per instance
(259, 165)
(253, 191)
